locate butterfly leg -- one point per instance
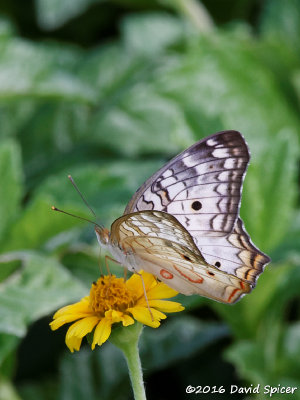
(145, 294)
(106, 263)
(107, 267)
(125, 274)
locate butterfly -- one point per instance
(183, 224)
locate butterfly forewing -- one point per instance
(154, 224)
(201, 187)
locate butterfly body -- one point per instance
(183, 224)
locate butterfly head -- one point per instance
(102, 235)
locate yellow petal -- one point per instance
(157, 314)
(64, 319)
(127, 320)
(161, 291)
(135, 284)
(81, 307)
(166, 306)
(118, 316)
(143, 315)
(149, 279)
(73, 343)
(102, 332)
(82, 327)
(113, 315)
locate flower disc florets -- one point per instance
(110, 292)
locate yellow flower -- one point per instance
(113, 300)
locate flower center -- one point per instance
(109, 293)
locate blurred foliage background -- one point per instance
(109, 91)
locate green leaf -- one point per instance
(296, 82)
(7, 390)
(111, 69)
(222, 69)
(269, 197)
(45, 389)
(158, 30)
(74, 384)
(29, 70)
(180, 338)
(8, 344)
(208, 78)
(11, 183)
(40, 287)
(14, 115)
(86, 373)
(37, 225)
(273, 359)
(53, 14)
(277, 286)
(107, 189)
(280, 20)
(63, 127)
(146, 122)
(289, 248)
(107, 186)
(6, 28)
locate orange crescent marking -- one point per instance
(198, 280)
(124, 250)
(248, 272)
(242, 285)
(232, 294)
(166, 274)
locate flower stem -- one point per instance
(135, 371)
(127, 340)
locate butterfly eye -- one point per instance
(218, 264)
(196, 205)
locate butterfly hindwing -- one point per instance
(156, 242)
(235, 253)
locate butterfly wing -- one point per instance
(156, 242)
(235, 253)
(201, 187)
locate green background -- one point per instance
(109, 91)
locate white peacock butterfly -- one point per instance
(183, 224)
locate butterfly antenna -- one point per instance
(81, 195)
(73, 215)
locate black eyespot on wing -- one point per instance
(210, 273)
(217, 264)
(196, 205)
(185, 257)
